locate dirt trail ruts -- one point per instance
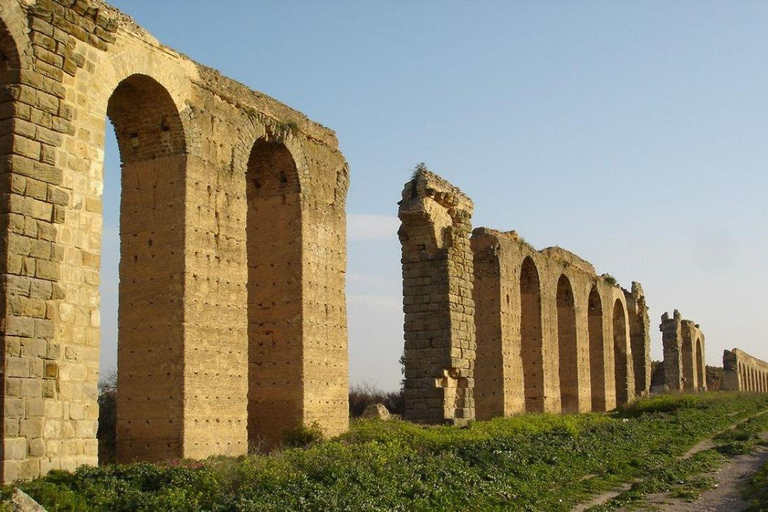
(709, 443)
(726, 497)
(657, 501)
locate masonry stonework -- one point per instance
(232, 317)
(437, 299)
(552, 335)
(743, 372)
(685, 366)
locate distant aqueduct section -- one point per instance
(743, 372)
(685, 366)
(492, 322)
(232, 316)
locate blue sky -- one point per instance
(634, 134)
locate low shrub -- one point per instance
(303, 436)
(659, 404)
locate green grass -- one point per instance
(531, 462)
(683, 478)
(756, 490)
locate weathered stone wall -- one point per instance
(684, 354)
(640, 338)
(437, 300)
(743, 372)
(232, 248)
(552, 335)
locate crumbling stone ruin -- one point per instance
(743, 372)
(685, 365)
(552, 335)
(232, 317)
(437, 300)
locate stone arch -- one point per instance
(9, 79)
(620, 356)
(10, 60)
(269, 130)
(567, 346)
(596, 350)
(153, 159)
(531, 336)
(274, 288)
(701, 369)
(689, 363)
(14, 34)
(638, 339)
(10, 70)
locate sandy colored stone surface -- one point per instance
(684, 354)
(743, 372)
(232, 316)
(439, 307)
(551, 334)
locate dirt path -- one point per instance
(709, 443)
(725, 497)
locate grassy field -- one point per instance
(531, 462)
(757, 491)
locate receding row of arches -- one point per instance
(570, 377)
(753, 379)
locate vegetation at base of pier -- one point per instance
(527, 462)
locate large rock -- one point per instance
(23, 503)
(376, 412)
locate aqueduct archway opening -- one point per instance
(152, 148)
(531, 336)
(273, 239)
(567, 346)
(596, 350)
(620, 352)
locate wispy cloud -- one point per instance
(361, 226)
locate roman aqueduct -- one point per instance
(232, 313)
(551, 334)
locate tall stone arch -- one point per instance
(274, 243)
(531, 336)
(153, 154)
(597, 360)
(567, 346)
(621, 354)
(701, 365)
